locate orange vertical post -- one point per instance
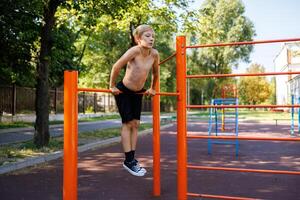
(156, 140)
(181, 118)
(70, 135)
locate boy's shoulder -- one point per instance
(134, 49)
(154, 52)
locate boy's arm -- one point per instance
(117, 68)
(155, 74)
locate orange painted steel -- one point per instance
(291, 139)
(218, 196)
(181, 50)
(244, 43)
(244, 170)
(181, 118)
(243, 106)
(70, 135)
(156, 141)
(167, 59)
(109, 91)
(71, 130)
(243, 74)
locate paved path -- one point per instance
(24, 134)
(101, 176)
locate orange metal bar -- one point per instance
(243, 106)
(218, 196)
(70, 135)
(93, 90)
(242, 74)
(244, 43)
(156, 141)
(168, 93)
(181, 118)
(244, 170)
(167, 59)
(109, 91)
(292, 139)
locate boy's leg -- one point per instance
(134, 133)
(129, 163)
(134, 136)
(126, 137)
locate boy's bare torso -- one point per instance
(138, 69)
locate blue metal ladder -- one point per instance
(215, 122)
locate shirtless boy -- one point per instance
(140, 60)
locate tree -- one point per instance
(254, 89)
(218, 21)
(20, 24)
(41, 134)
(112, 36)
(93, 10)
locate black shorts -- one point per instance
(129, 103)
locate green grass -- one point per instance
(20, 124)
(14, 152)
(4, 125)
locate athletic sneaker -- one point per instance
(132, 168)
(139, 167)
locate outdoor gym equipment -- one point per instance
(71, 125)
(223, 122)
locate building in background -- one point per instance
(287, 60)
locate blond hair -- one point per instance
(138, 32)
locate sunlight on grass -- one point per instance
(14, 152)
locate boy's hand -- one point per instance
(115, 91)
(151, 92)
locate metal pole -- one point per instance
(292, 117)
(181, 118)
(14, 100)
(298, 116)
(70, 135)
(156, 141)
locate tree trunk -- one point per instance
(41, 135)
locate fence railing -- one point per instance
(15, 100)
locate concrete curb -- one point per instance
(55, 155)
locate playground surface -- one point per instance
(101, 176)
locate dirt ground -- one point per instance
(101, 175)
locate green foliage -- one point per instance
(63, 54)
(20, 25)
(111, 36)
(217, 21)
(254, 90)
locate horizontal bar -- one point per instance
(219, 142)
(244, 43)
(93, 90)
(168, 58)
(242, 138)
(168, 93)
(243, 106)
(109, 91)
(210, 196)
(242, 74)
(244, 170)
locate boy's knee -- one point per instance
(132, 124)
(135, 124)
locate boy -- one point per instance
(140, 59)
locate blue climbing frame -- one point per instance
(226, 116)
(292, 130)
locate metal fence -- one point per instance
(16, 100)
